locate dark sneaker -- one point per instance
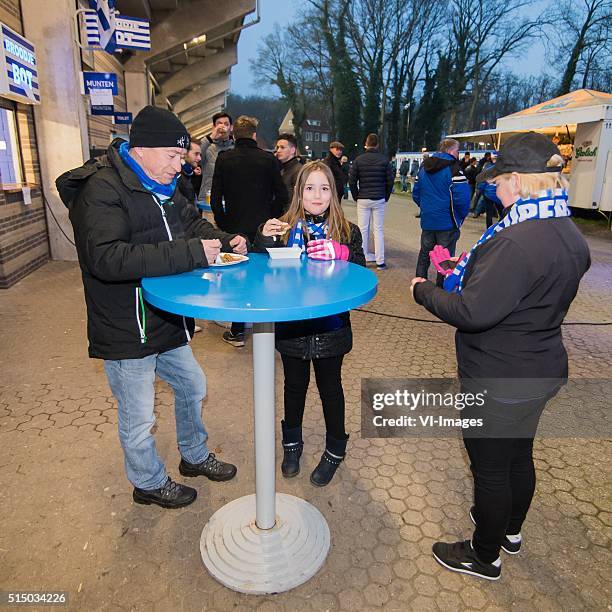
(382, 266)
(171, 495)
(461, 557)
(511, 543)
(212, 468)
(234, 340)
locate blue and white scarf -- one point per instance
(162, 192)
(315, 230)
(548, 205)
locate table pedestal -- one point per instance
(268, 542)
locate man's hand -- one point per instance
(198, 170)
(239, 245)
(415, 281)
(211, 249)
(219, 132)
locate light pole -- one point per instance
(407, 109)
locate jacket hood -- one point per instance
(437, 162)
(70, 184)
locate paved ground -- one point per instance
(68, 521)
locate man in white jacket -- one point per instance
(220, 139)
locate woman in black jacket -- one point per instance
(316, 223)
(507, 299)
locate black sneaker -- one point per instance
(212, 468)
(461, 557)
(382, 266)
(171, 495)
(234, 340)
(509, 546)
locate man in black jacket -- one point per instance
(130, 221)
(371, 183)
(286, 153)
(333, 160)
(247, 190)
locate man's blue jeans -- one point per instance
(131, 381)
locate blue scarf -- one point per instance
(163, 192)
(315, 230)
(548, 206)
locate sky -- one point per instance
(283, 12)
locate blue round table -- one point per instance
(289, 539)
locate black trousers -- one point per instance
(429, 239)
(492, 209)
(504, 476)
(328, 376)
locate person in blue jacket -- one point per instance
(443, 194)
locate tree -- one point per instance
(331, 17)
(587, 26)
(275, 65)
(485, 32)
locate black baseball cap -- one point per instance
(524, 153)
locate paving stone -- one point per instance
(391, 499)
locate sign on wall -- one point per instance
(127, 32)
(100, 80)
(122, 118)
(18, 67)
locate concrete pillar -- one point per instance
(137, 91)
(61, 120)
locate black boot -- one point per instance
(292, 448)
(335, 450)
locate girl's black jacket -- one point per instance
(316, 338)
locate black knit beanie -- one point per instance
(158, 127)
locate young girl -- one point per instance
(315, 222)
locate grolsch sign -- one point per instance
(585, 151)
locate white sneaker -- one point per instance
(197, 329)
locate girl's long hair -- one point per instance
(338, 226)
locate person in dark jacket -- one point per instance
(442, 193)
(508, 299)
(191, 173)
(334, 161)
(131, 221)
(286, 153)
(247, 189)
(404, 170)
(315, 223)
(470, 174)
(371, 184)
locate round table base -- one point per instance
(247, 559)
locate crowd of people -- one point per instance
(133, 216)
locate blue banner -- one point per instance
(100, 80)
(102, 109)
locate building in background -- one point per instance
(316, 135)
(178, 55)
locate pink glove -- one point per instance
(441, 259)
(327, 249)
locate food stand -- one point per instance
(583, 119)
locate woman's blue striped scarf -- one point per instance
(163, 192)
(549, 205)
(315, 230)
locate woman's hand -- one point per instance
(415, 281)
(274, 227)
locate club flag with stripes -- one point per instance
(105, 11)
